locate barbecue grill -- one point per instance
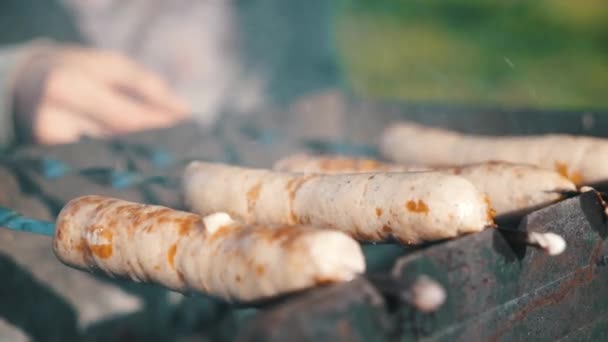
(497, 289)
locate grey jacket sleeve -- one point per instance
(12, 59)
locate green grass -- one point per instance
(542, 53)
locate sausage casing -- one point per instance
(213, 255)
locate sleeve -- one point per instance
(12, 60)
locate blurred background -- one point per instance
(238, 55)
(546, 54)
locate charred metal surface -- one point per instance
(349, 312)
(595, 330)
(18, 311)
(497, 290)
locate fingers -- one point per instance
(78, 91)
(54, 125)
(120, 71)
(75, 90)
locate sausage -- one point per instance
(410, 207)
(512, 188)
(577, 157)
(212, 255)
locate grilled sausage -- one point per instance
(213, 255)
(576, 157)
(512, 188)
(411, 207)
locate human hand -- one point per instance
(68, 92)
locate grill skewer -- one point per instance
(425, 294)
(551, 243)
(17, 222)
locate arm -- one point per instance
(55, 93)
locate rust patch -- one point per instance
(180, 275)
(237, 278)
(457, 170)
(581, 276)
(378, 212)
(387, 229)
(252, 196)
(157, 268)
(171, 255)
(417, 207)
